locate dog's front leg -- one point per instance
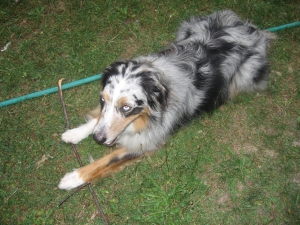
(77, 134)
(103, 167)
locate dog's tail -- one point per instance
(246, 67)
(253, 69)
(241, 48)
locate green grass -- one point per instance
(236, 166)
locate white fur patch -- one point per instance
(70, 181)
(76, 135)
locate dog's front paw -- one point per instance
(73, 136)
(70, 181)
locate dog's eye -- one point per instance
(125, 108)
(102, 102)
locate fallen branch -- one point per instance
(78, 159)
(72, 193)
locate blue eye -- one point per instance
(126, 108)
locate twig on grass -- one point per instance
(72, 193)
(78, 159)
(63, 104)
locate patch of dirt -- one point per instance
(245, 148)
(296, 179)
(271, 153)
(296, 143)
(268, 131)
(223, 199)
(240, 186)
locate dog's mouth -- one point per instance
(111, 143)
(101, 139)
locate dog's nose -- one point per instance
(99, 138)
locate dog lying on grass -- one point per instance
(144, 99)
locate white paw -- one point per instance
(74, 136)
(70, 181)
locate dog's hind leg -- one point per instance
(103, 167)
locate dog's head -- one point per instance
(132, 94)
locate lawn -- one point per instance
(238, 165)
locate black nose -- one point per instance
(99, 138)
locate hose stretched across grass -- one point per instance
(50, 90)
(98, 76)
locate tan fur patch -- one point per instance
(101, 167)
(141, 122)
(106, 97)
(121, 102)
(120, 124)
(91, 171)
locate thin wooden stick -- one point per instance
(72, 193)
(79, 161)
(63, 104)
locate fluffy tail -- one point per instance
(240, 47)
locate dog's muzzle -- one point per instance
(101, 138)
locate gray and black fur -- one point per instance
(143, 100)
(213, 59)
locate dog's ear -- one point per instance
(155, 88)
(113, 70)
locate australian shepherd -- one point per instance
(143, 100)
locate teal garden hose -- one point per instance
(98, 76)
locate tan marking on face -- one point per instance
(106, 97)
(122, 101)
(146, 109)
(119, 124)
(142, 121)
